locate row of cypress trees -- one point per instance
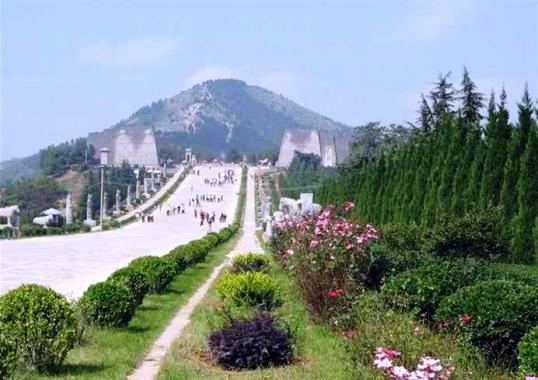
(456, 162)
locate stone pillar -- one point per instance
(89, 221)
(128, 195)
(146, 187)
(153, 182)
(105, 204)
(68, 210)
(269, 229)
(118, 201)
(137, 189)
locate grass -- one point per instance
(112, 353)
(321, 353)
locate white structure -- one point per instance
(127, 144)
(117, 210)
(129, 201)
(104, 156)
(331, 147)
(188, 155)
(89, 221)
(68, 210)
(9, 216)
(306, 200)
(48, 216)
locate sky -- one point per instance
(72, 67)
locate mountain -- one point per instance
(218, 115)
(212, 117)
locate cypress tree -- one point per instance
(497, 137)
(425, 115)
(527, 196)
(442, 97)
(515, 151)
(472, 101)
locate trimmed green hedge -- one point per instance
(250, 289)
(159, 271)
(423, 288)
(134, 279)
(107, 304)
(500, 313)
(250, 262)
(39, 324)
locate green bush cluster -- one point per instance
(249, 289)
(422, 289)
(250, 262)
(133, 279)
(528, 353)
(29, 230)
(107, 303)
(37, 326)
(159, 271)
(111, 225)
(500, 313)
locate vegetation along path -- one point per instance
(149, 367)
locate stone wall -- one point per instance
(131, 144)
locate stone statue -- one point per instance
(146, 187)
(128, 195)
(137, 189)
(289, 206)
(105, 205)
(89, 221)
(118, 201)
(68, 210)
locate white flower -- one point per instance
(383, 363)
(290, 252)
(400, 372)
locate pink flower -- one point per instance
(383, 363)
(531, 378)
(348, 206)
(314, 243)
(465, 319)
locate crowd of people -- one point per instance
(198, 202)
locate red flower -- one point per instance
(466, 319)
(332, 294)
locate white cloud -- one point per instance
(210, 72)
(429, 20)
(131, 52)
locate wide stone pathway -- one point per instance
(149, 367)
(70, 263)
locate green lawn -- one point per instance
(112, 353)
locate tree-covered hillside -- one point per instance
(464, 155)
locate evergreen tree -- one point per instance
(497, 137)
(442, 97)
(472, 101)
(515, 152)
(425, 115)
(527, 196)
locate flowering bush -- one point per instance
(427, 369)
(328, 254)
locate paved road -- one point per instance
(70, 263)
(148, 369)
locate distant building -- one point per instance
(130, 144)
(332, 147)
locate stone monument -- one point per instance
(128, 196)
(89, 221)
(68, 210)
(137, 189)
(117, 210)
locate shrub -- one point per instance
(85, 228)
(134, 280)
(478, 233)
(249, 289)
(251, 262)
(178, 259)
(111, 224)
(525, 274)
(251, 344)
(159, 271)
(528, 353)
(32, 230)
(493, 315)
(327, 253)
(7, 355)
(40, 324)
(55, 231)
(423, 288)
(107, 304)
(212, 239)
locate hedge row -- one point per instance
(489, 303)
(39, 326)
